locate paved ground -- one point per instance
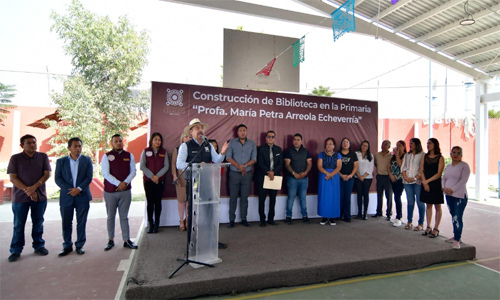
(101, 275)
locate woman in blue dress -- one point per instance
(329, 165)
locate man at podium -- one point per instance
(199, 143)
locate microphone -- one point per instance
(205, 140)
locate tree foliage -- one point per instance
(6, 95)
(493, 114)
(323, 91)
(107, 58)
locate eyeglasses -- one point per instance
(456, 153)
(271, 137)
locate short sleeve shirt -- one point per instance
(329, 161)
(347, 162)
(29, 170)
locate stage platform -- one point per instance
(285, 255)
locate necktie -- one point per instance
(271, 159)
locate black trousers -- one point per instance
(363, 189)
(154, 193)
(384, 185)
(262, 202)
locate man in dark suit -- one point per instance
(73, 175)
(269, 162)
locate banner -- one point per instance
(316, 118)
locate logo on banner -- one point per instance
(174, 97)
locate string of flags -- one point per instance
(298, 51)
(343, 21)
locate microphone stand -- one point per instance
(186, 260)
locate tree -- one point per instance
(107, 61)
(6, 94)
(493, 114)
(323, 91)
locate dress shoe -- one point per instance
(14, 256)
(109, 245)
(272, 223)
(150, 227)
(129, 244)
(288, 221)
(375, 215)
(306, 220)
(231, 224)
(358, 217)
(80, 251)
(262, 224)
(222, 245)
(65, 251)
(42, 251)
(245, 223)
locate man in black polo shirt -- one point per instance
(298, 163)
(28, 171)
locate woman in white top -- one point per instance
(410, 170)
(364, 178)
(455, 178)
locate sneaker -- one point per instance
(451, 240)
(288, 221)
(42, 251)
(397, 223)
(332, 222)
(306, 220)
(456, 245)
(323, 221)
(388, 218)
(14, 256)
(393, 220)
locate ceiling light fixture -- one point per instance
(469, 20)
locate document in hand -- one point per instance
(274, 184)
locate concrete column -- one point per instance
(481, 147)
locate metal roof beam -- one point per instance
(478, 51)
(469, 38)
(362, 27)
(428, 15)
(390, 10)
(486, 63)
(317, 5)
(477, 16)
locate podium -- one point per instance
(204, 243)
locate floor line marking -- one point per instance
(341, 282)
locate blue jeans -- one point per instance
(296, 185)
(20, 211)
(345, 198)
(412, 194)
(457, 207)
